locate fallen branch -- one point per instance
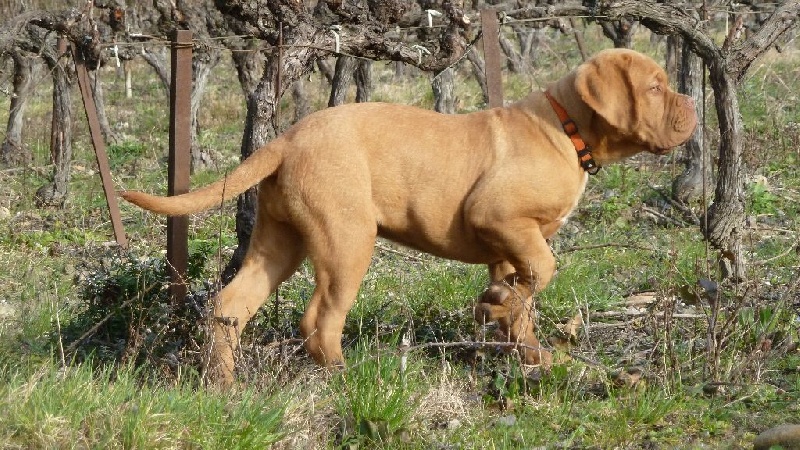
(687, 212)
(645, 313)
(662, 216)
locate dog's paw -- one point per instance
(500, 299)
(534, 355)
(493, 304)
(496, 294)
(487, 313)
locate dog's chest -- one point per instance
(563, 219)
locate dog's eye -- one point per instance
(656, 89)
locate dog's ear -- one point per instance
(604, 85)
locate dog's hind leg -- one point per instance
(275, 251)
(341, 254)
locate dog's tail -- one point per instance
(262, 163)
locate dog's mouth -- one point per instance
(656, 150)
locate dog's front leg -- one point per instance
(512, 308)
(499, 271)
(526, 258)
(509, 298)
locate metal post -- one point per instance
(179, 159)
(491, 54)
(99, 147)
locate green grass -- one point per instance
(375, 397)
(132, 381)
(75, 407)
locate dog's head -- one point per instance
(634, 108)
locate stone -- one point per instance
(507, 421)
(785, 436)
(7, 311)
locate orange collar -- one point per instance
(583, 150)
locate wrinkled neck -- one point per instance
(584, 117)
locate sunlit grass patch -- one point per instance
(50, 407)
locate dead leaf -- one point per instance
(629, 378)
(566, 336)
(571, 328)
(559, 343)
(688, 295)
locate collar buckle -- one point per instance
(587, 162)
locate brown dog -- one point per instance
(486, 188)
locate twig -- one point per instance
(473, 345)
(289, 341)
(784, 253)
(686, 211)
(601, 325)
(397, 252)
(38, 169)
(596, 246)
(60, 340)
(589, 361)
(476, 345)
(95, 327)
(775, 229)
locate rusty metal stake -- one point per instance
(491, 54)
(99, 147)
(180, 147)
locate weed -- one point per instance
(376, 397)
(125, 152)
(762, 201)
(128, 315)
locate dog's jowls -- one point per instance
(486, 188)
